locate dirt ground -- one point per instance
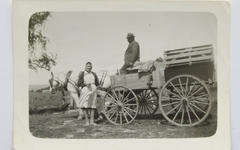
(63, 125)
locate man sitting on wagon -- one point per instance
(132, 54)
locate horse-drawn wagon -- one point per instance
(178, 87)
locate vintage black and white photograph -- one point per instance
(116, 75)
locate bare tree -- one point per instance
(39, 56)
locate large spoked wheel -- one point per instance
(148, 102)
(121, 105)
(185, 100)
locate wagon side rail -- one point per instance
(188, 56)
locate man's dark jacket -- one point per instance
(132, 53)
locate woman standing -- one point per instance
(88, 81)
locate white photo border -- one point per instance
(23, 140)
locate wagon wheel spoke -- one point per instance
(181, 86)
(117, 94)
(182, 116)
(110, 110)
(168, 98)
(124, 115)
(148, 110)
(193, 112)
(191, 88)
(113, 104)
(114, 100)
(201, 96)
(128, 113)
(116, 97)
(188, 114)
(152, 103)
(130, 104)
(129, 100)
(177, 113)
(173, 108)
(151, 107)
(148, 92)
(170, 104)
(186, 87)
(176, 89)
(195, 92)
(140, 109)
(151, 98)
(126, 96)
(144, 109)
(120, 117)
(110, 117)
(130, 109)
(123, 94)
(173, 93)
(116, 117)
(200, 102)
(198, 108)
(133, 107)
(201, 99)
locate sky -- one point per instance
(100, 37)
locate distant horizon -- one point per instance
(100, 37)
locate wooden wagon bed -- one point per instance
(131, 81)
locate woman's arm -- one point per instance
(96, 79)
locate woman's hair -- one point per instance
(88, 63)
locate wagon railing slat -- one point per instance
(190, 53)
(190, 59)
(196, 48)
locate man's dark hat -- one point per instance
(130, 35)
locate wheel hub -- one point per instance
(143, 101)
(185, 101)
(120, 105)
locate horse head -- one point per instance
(53, 84)
(59, 82)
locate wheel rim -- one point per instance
(189, 103)
(148, 102)
(121, 105)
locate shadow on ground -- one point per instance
(62, 125)
(51, 122)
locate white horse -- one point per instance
(65, 82)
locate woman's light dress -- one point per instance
(88, 95)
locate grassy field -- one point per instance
(52, 123)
